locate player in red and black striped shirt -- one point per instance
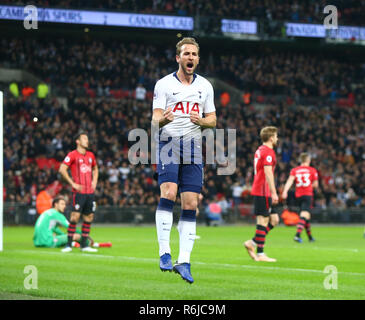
(306, 178)
(84, 172)
(264, 194)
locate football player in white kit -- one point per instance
(183, 104)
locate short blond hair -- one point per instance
(268, 132)
(186, 40)
(304, 157)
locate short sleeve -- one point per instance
(93, 163)
(314, 175)
(292, 172)
(69, 159)
(209, 101)
(268, 159)
(159, 96)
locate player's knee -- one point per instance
(190, 203)
(88, 218)
(74, 220)
(274, 219)
(169, 192)
(170, 196)
(262, 220)
(305, 214)
(75, 217)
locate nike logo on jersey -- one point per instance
(175, 93)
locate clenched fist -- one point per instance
(194, 117)
(168, 115)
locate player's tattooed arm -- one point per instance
(162, 117)
(209, 121)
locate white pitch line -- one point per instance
(221, 265)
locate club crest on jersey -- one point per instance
(185, 107)
(90, 160)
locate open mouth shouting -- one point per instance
(190, 67)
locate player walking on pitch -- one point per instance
(306, 178)
(84, 179)
(264, 194)
(180, 100)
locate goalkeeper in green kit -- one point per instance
(47, 232)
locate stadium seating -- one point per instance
(311, 11)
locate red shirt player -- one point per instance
(84, 172)
(264, 193)
(306, 178)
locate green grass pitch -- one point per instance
(221, 266)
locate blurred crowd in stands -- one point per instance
(333, 136)
(109, 87)
(350, 12)
(115, 69)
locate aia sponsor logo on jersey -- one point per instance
(186, 107)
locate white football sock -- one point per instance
(187, 232)
(163, 226)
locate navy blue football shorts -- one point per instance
(180, 162)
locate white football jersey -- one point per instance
(198, 96)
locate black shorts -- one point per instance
(263, 206)
(305, 203)
(83, 203)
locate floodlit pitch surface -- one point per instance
(221, 266)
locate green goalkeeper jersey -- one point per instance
(46, 225)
